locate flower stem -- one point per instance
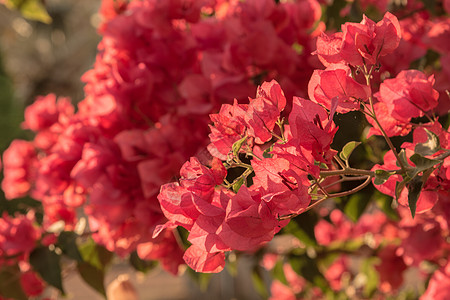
(367, 75)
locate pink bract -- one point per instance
(335, 83)
(360, 43)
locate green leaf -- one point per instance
(259, 284)
(31, 9)
(403, 159)
(348, 149)
(381, 176)
(303, 228)
(307, 268)
(238, 184)
(415, 186)
(371, 274)
(238, 145)
(278, 272)
(267, 153)
(95, 255)
(414, 189)
(10, 286)
(384, 202)
(92, 268)
(422, 164)
(298, 48)
(93, 276)
(67, 243)
(139, 264)
(399, 186)
(321, 165)
(431, 146)
(46, 263)
(202, 279)
(430, 5)
(356, 205)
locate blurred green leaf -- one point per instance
(307, 268)
(67, 243)
(95, 255)
(371, 284)
(92, 268)
(10, 286)
(302, 228)
(46, 263)
(93, 276)
(356, 205)
(202, 279)
(259, 284)
(278, 272)
(139, 264)
(430, 5)
(384, 202)
(30, 9)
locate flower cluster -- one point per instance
(220, 220)
(162, 67)
(267, 169)
(18, 238)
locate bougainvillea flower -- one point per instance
(249, 222)
(421, 242)
(340, 229)
(228, 127)
(182, 203)
(260, 119)
(300, 160)
(336, 271)
(390, 269)
(201, 180)
(19, 167)
(279, 291)
(336, 82)
(285, 190)
(263, 111)
(312, 128)
(202, 261)
(409, 95)
(46, 111)
(438, 37)
(329, 48)
(31, 283)
(256, 120)
(360, 43)
(391, 126)
(17, 235)
(170, 199)
(164, 248)
(273, 92)
(439, 286)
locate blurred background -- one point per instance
(37, 59)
